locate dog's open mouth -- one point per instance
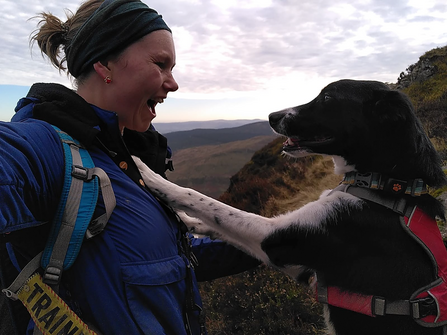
(299, 144)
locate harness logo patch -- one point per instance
(49, 312)
(397, 187)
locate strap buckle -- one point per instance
(52, 275)
(95, 227)
(169, 166)
(417, 308)
(424, 307)
(82, 173)
(366, 180)
(378, 306)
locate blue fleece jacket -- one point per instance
(130, 279)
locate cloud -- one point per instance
(244, 46)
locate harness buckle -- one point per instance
(378, 306)
(424, 307)
(367, 180)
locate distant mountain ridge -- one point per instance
(199, 137)
(205, 159)
(170, 127)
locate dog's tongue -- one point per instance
(290, 142)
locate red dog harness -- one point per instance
(428, 305)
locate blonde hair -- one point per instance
(53, 35)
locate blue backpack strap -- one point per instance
(76, 207)
(71, 224)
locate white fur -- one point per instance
(341, 166)
(204, 215)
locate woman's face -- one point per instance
(141, 78)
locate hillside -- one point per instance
(426, 84)
(270, 184)
(208, 168)
(200, 137)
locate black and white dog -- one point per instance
(356, 245)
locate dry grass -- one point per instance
(208, 168)
(318, 176)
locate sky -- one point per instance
(243, 59)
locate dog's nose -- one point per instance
(275, 119)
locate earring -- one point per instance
(107, 80)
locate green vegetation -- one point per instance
(263, 301)
(429, 96)
(435, 87)
(260, 302)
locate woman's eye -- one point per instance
(162, 65)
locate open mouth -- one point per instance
(299, 144)
(152, 103)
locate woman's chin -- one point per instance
(141, 124)
(144, 125)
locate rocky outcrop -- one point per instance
(419, 72)
(424, 69)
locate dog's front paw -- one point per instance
(193, 224)
(197, 226)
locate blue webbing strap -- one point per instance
(71, 223)
(75, 211)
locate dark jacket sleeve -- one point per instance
(31, 177)
(218, 259)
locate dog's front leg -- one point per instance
(244, 230)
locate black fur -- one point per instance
(356, 245)
(373, 127)
(364, 250)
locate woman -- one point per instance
(134, 277)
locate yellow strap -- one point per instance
(50, 313)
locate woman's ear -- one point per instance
(102, 70)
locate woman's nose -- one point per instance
(170, 84)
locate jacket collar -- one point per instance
(93, 126)
(62, 107)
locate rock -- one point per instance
(419, 72)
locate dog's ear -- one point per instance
(391, 105)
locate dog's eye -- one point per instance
(327, 97)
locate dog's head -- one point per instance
(372, 127)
